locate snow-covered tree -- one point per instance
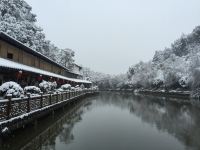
(18, 21)
(66, 58)
(174, 67)
(105, 81)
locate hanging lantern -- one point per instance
(39, 78)
(63, 81)
(58, 81)
(19, 74)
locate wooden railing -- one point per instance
(15, 107)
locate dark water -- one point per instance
(113, 121)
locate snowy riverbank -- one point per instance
(162, 93)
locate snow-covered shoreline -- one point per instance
(161, 93)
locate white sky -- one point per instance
(111, 35)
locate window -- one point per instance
(9, 55)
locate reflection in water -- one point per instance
(116, 121)
(179, 119)
(44, 134)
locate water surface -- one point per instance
(113, 121)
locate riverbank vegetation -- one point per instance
(174, 68)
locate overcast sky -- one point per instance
(111, 35)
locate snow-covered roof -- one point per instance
(14, 65)
(79, 66)
(18, 44)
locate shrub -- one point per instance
(32, 89)
(46, 86)
(66, 87)
(11, 88)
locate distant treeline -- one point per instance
(174, 68)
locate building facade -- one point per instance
(12, 51)
(77, 70)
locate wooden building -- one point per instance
(17, 53)
(78, 71)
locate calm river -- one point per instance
(113, 121)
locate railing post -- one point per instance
(62, 96)
(50, 97)
(41, 100)
(66, 96)
(28, 103)
(56, 97)
(8, 109)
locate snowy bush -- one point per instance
(171, 80)
(32, 89)
(78, 88)
(72, 88)
(11, 88)
(46, 86)
(159, 79)
(53, 85)
(184, 81)
(157, 83)
(195, 93)
(196, 79)
(66, 87)
(59, 90)
(82, 86)
(95, 88)
(196, 84)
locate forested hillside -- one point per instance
(174, 68)
(17, 20)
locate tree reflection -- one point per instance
(44, 138)
(179, 118)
